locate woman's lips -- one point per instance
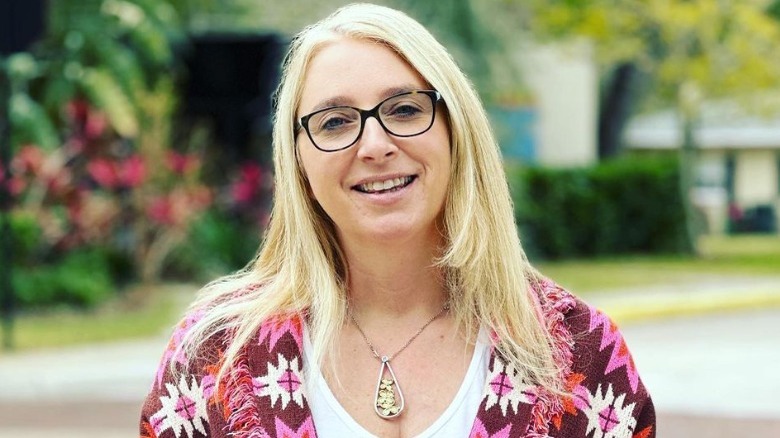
(385, 185)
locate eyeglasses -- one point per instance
(402, 115)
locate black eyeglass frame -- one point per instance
(435, 96)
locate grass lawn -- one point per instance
(721, 256)
(150, 311)
(138, 313)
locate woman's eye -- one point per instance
(335, 122)
(407, 110)
(404, 110)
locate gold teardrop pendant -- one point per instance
(389, 401)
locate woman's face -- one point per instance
(349, 184)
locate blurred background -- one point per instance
(641, 139)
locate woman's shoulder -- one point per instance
(590, 331)
(197, 350)
(601, 371)
(581, 319)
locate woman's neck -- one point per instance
(395, 280)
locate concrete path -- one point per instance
(710, 375)
(91, 391)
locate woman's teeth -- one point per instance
(381, 186)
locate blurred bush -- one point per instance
(626, 205)
(218, 243)
(101, 196)
(80, 278)
(228, 235)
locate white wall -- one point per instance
(756, 178)
(564, 82)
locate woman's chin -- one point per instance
(389, 232)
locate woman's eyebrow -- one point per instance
(345, 101)
(330, 102)
(392, 91)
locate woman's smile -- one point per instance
(384, 185)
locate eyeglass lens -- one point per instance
(403, 115)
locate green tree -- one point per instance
(480, 38)
(117, 54)
(690, 50)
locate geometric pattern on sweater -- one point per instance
(607, 416)
(184, 408)
(305, 430)
(505, 387)
(620, 357)
(478, 430)
(265, 395)
(274, 328)
(283, 382)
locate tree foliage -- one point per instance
(718, 47)
(115, 53)
(690, 50)
(480, 37)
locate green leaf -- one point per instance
(22, 67)
(152, 43)
(143, 28)
(29, 123)
(106, 93)
(124, 66)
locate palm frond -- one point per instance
(30, 124)
(124, 66)
(105, 92)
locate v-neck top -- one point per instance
(333, 421)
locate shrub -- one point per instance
(627, 205)
(44, 276)
(25, 235)
(81, 278)
(216, 245)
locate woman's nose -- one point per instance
(375, 144)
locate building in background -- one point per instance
(555, 121)
(563, 81)
(738, 163)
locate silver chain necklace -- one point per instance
(389, 399)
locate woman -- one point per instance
(391, 296)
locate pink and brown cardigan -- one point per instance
(265, 394)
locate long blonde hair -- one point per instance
(300, 266)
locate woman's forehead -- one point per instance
(355, 72)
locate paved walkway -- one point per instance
(712, 375)
(715, 370)
(91, 391)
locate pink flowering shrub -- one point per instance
(95, 190)
(251, 193)
(227, 237)
(126, 210)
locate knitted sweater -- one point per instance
(265, 394)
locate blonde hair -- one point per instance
(300, 267)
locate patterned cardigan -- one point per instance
(265, 394)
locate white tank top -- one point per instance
(332, 421)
